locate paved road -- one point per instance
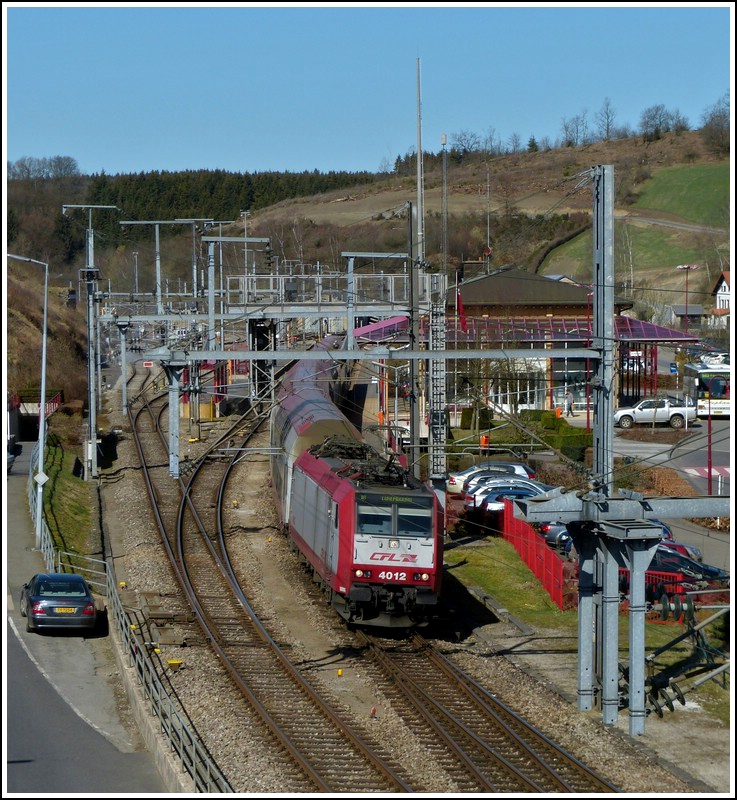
(65, 717)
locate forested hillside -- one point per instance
(532, 209)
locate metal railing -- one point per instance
(185, 744)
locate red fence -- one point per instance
(559, 577)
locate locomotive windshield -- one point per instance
(414, 522)
(373, 519)
(394, 519)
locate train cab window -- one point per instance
(414, 522)
(374, 519)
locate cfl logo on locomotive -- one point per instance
(403, 558)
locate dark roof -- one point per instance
(694, 310)
(723, 278)
(516, 287)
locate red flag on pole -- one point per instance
(461, 315)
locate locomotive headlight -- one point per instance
(393, 544)
(359, 573)
(362, 573)
(421, 576)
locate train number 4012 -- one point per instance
(389, 575)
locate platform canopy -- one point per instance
(533, 331)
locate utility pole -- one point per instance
(90, 275)
(193, 222)
(420, 177)
(245, 215)
(157, 223)
(610, 532)
(414, 336)
(123, 326)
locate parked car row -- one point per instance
(456, 482)
(556, 535)
(487, 485)
(488, 497)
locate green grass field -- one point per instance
(695, 194)
(698, 194)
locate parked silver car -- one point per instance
(489, 475)
(674, 411)
(475, 499)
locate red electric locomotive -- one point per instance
(367, 528)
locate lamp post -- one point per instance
(41, 477)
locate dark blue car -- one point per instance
(58, 600)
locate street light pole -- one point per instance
(41, 476)
(708, 441)
(91, 275)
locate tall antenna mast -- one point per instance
(420, 178)
(487, 249)
(488, 207)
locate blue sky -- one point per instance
(291, 87)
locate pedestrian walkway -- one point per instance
(703, 472)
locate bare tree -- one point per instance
(30, 168)
(678, 122)
(583, 123)
(298, 234)
(465, 142)
(515, 143)
(654, 122)
(23, 169)
(716, 131)
(604, 119)
(491, 145)
(63, 167)
(385, 167)
(575, 130)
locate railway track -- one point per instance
(479, 743)
(321, 752)
(486, 745)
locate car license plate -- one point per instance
(65, 610)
